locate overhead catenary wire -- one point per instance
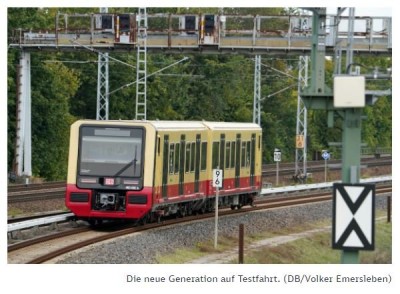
(279, 71)
(102, 54)
(152, 74)
(117, 60)
(277, 92)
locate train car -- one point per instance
(143, 170)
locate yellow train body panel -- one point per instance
(141, 169)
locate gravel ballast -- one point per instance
(142, 248)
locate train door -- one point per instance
(165, 167)
(237, 160)
(182, 165)
(197, 164)
(252, 158)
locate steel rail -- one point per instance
(54, 190)
(264, 204)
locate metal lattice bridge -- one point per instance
(205, 33)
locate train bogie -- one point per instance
(143, 170)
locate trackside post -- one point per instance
(217, 183)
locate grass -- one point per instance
(201, 249)
(315, 249)
(13, 212)
(383, 245)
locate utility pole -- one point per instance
(102, 82)
(257, 91)
(141, 66)
(348, 100)
(23, 149)
(301, 124)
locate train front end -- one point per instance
(107, 177)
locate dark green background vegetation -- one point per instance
(209, 87)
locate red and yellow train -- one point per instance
(142, 170)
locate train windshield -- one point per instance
(111, 151)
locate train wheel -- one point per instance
(95, 222)
(182, 211)
(152, 217)
(144, 220)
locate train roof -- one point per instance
(175, 125)
(231, 125)
(204, 125)
(181, 125)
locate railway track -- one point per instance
(46, 248)
(319, 166)
(34, 216)
(36, 186)
(56, 190)
(35, 192)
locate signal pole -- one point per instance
(347, 99)
(351, 138)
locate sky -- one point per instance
(365, 11)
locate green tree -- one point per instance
(212, 87)
(53, 85)
(12, 62)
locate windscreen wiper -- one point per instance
(125, 167)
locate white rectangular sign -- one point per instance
(353, 216)
(217, 178)
(277, 156)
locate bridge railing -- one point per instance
(376, 151)
(289, 32)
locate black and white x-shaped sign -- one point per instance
(353, 216)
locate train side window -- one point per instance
(177, 156)
(187, 163)
(165, 163)
(233, 149)
(192, 155)
(248, 153)
(215, 155)
(222, 152)
(203, 155)
(171, 158)
(158, 144)
(243, 159)
(228, 154)
(182, 162)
